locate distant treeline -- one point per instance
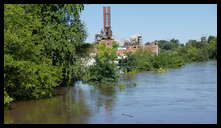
(172, 54)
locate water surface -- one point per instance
(184, 95)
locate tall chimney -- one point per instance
(104, 15)
(108, 16)
(107, 27)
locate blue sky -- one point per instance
(153, 21)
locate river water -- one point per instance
(184, 95)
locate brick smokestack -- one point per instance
(108, 16)
(104, 16)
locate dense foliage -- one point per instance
(104, 71)
(172, 55)
(168, 45)
(42, 48)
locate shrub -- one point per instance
(105, 70)
(28, 80)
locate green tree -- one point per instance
(168, 45)
(212, 47)
(27, 73)
(128, 64)
(43, 45)
(63, 35)
(104, 72)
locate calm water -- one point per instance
(184, 95)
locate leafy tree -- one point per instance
(203, 39)
(143, 59)
(211, 38)
(43, 45)
(195, 44)
(63, 36)
(28, 80)
(27, 74)
(104, 72)
(128, 64)
(212, 47)
(168, 45)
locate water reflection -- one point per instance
(184, 95)
(68, 108)
(129, 80)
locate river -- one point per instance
(183, 95)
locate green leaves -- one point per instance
(40, 42)
(169, 45)
(24, 79)
(63, 33)
(172, 57)
(104, 72)
(18, 32)
(202, 50)
(7, 99)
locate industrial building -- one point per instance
(130, 45)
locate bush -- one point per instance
(7, 99)
(128, 64)
(28, 80)
(143, 60)
(104, 72)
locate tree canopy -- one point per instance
(41, 48)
